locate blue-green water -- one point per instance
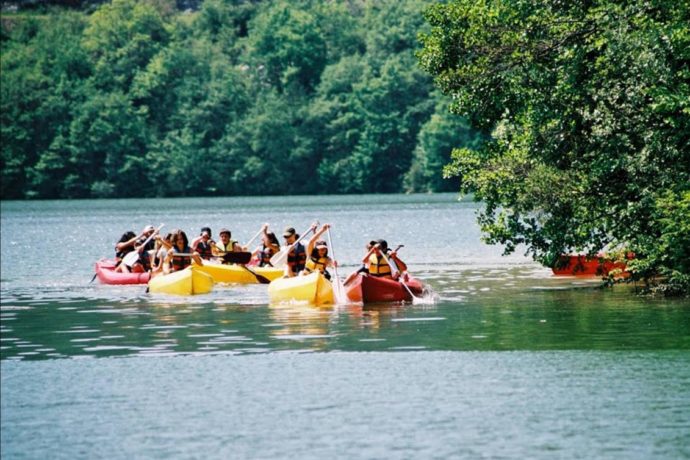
(502, 361)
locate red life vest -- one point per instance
(180, 262)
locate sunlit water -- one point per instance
(501, 359)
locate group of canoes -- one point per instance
(172, 265)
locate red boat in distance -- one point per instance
(105, 270)
(371, 289)
(581, 265)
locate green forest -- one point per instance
(138, 98)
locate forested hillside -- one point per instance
(139, 98)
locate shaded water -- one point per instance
(452, 388)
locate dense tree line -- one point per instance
(138, 98)
(588, 104)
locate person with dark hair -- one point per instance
(124, 246)
(297, 257)
(225, 245)
(181, 255)
(142, 244)
(270, 246)
(376, 263)
(203, 244)
(318, 254)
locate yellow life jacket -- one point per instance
(226, 247)
(378, 266)
(319, 264)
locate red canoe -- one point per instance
(369, 289)
(580, 265)
(105, 270)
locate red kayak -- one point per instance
(369, 289)
(580, 265)
(105, 270)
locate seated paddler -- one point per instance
(225, 245)
(180, 256)
(270, 246)
(381, 262)
(203, 244)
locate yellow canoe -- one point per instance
(237, 274)
(189, 281)
(314, 289)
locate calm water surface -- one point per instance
(502, 360)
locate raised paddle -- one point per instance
(278, 259)
(340, 297)
(131, 257)
(254, 237)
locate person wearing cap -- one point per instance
(270, 246)
(203, 244)
(318, 254)
(225, 245)
(297, 257)
(376, 262)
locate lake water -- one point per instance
(502, 360)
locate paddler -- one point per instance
(225, 245)
(181, 255)
(377, 265)
(318, 255)
(142, 244)
(124, 247)
(269, 247)
(203, 244)
(297, 257)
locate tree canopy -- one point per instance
(130, 98)
(588, 109)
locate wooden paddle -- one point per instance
(279, 258)
(131, 257)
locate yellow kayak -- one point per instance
(189, 281)
(313, 288)
(238, 274)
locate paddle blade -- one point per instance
(339, 291)
(279, 259)
(237, 257)
(130, 258)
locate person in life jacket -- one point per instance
(225, 245)
(270, 246)
(203, 244)
(297, 257)
(318, 255)
(181, 255)
(377, 265)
